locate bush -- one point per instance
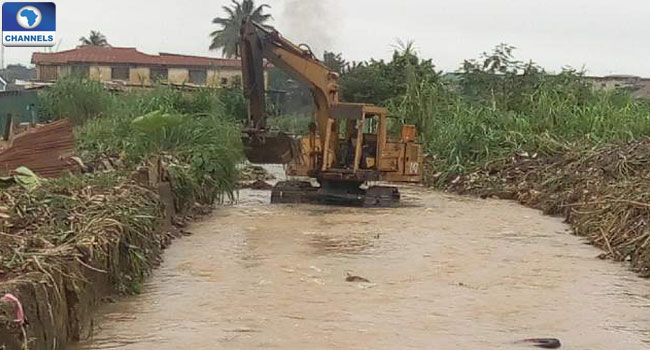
(74, 98)
(197, 129)
(503, 107)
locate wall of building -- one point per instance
(101, 73)
(139, 75)
(63, 71)
(639, 87)
(223, 77)
(215, 77)
(46, 72)
(178, 75)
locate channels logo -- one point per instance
(28, 24)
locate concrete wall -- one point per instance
(139, 75)
(142, 75)
(639, 87)
(101, 73)
(47, 72)
(63, 71)
(178, 75)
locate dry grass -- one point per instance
(603, 193)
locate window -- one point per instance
(47, 73)
(120, 73)
(224, 81)
(158, 74)
(80, 71)
(198, 76)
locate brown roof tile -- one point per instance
(127, 55)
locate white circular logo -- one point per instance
(28, 17)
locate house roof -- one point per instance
(128, 55)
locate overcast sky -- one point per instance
(604, 36)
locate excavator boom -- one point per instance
(347, 144)
(259, 43)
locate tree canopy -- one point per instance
(95, 38)
(226, 38)
(377, 81)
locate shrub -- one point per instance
(74, 98)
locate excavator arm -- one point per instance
(259, 43)
(366, 154)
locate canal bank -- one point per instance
(444, 271)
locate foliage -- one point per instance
(506, 107)
(293, 124)
(378, 82)
(197, 128)
(288, 96)
(335, 61)
(226, 37)
(74, 98)
(94, 39)
(233, 102)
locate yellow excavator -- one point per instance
(348, 148)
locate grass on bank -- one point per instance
(517, 113)
(197, 130)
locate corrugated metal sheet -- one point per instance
(44, 150)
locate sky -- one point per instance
(602, 36)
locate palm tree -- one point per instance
(227, 37)
(94, 39)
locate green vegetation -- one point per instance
(292, 123)
(226, 37)
(96, 38)
(59, 229)
(196, 130)
(505, 128)
(498, 106)
(74, 98)
(379, 82)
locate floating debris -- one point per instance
(545, 343)
(352, 278)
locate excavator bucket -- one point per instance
(269, 147)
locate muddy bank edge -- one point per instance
(604, 194)
(58, 301)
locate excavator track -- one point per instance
(293, 192)
(381, 197)
(297, 192)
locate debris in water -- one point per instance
(108, 300)
(545, 343)
(255, 172)
(352, 278)
(257, 185)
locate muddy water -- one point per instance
(445, 273)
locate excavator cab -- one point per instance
(365, 150)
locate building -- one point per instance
(639, 87)
(15, 75)
(131, 67)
